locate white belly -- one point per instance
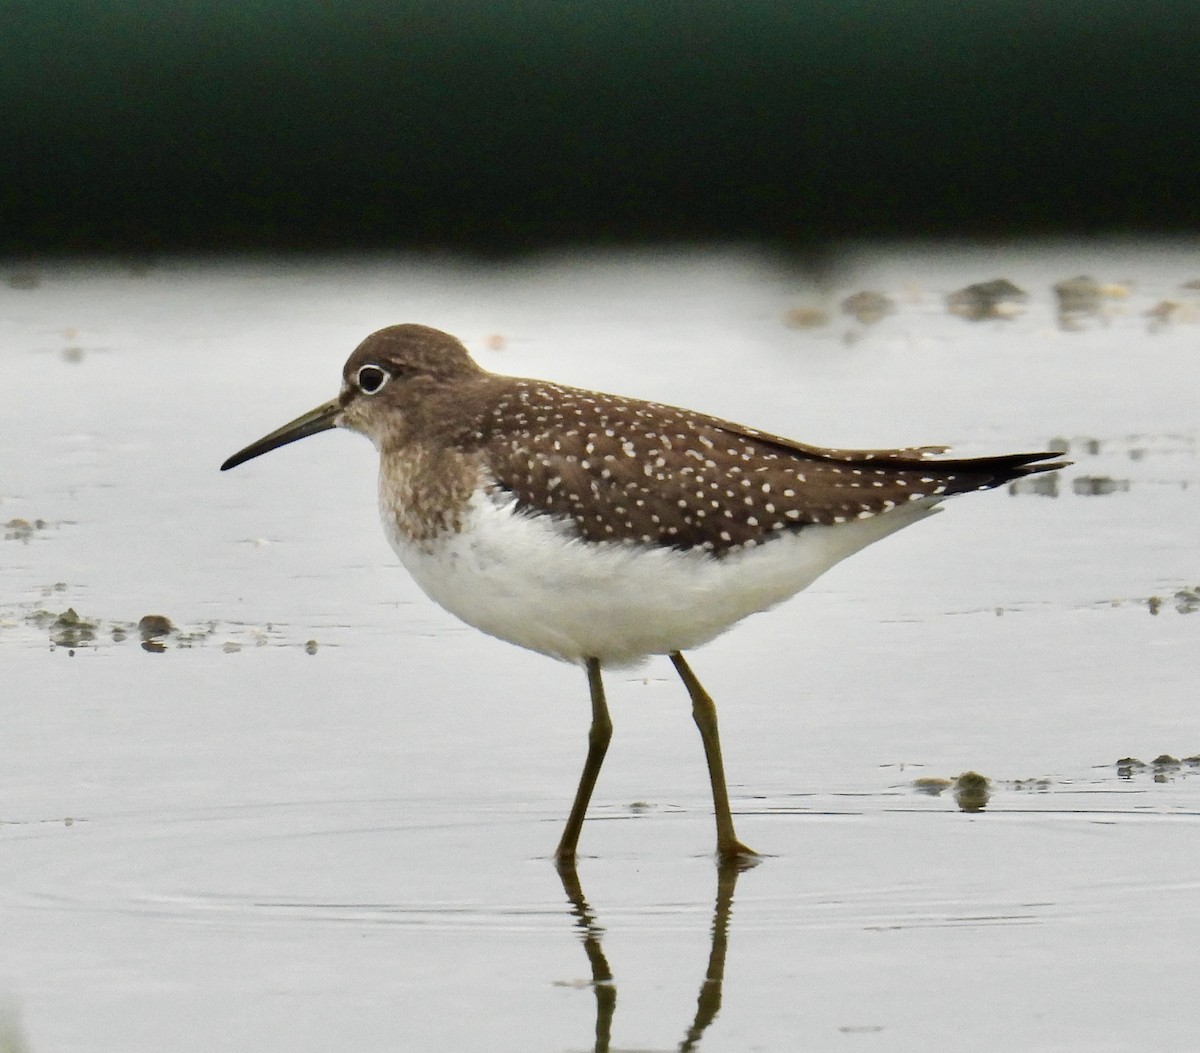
(525, 579)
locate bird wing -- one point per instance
(626, 470)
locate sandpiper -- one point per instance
(600, 530)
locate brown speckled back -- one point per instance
(627, 470)
(622, 469)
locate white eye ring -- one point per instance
(371, 379)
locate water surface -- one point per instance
(318, 813)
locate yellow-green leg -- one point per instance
(598, 739)
(704, 712)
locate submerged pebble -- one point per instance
(806, 318)
(1170, 312)
(1082, 298)
(153, 628)
(1098, 485)
(70, 630)
(1043, 485)
(1040, 785)
(1088, 446)
(22, 529)
(868, 307)
(1187, 601)
(972, 791)
(155, 633)
(998, 298)
(932, 785)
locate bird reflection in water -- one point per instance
(708, 1003)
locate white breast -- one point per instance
(525, 579)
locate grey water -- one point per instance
(310, 811)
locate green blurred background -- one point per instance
(505, 126)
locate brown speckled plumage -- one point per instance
(425, 490)
(626, 470)
(602, 530)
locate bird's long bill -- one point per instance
(321, 419)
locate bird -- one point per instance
(601, 530)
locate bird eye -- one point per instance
(370, 379)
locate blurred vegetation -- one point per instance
(506, 125)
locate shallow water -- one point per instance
(317, 814)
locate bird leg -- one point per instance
(704, 712)
(598, 739)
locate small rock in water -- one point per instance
(1043, 485)
(22, 529)
(310, 647)
(972, 791)
(932, 785)
(806, 318)
(868, 307)
(152, 626)
(998, 298)
(70, 630)
(1169, 312)
(1098, 485)
(1078, 299)
(1187, 601)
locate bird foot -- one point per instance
(738, 855)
